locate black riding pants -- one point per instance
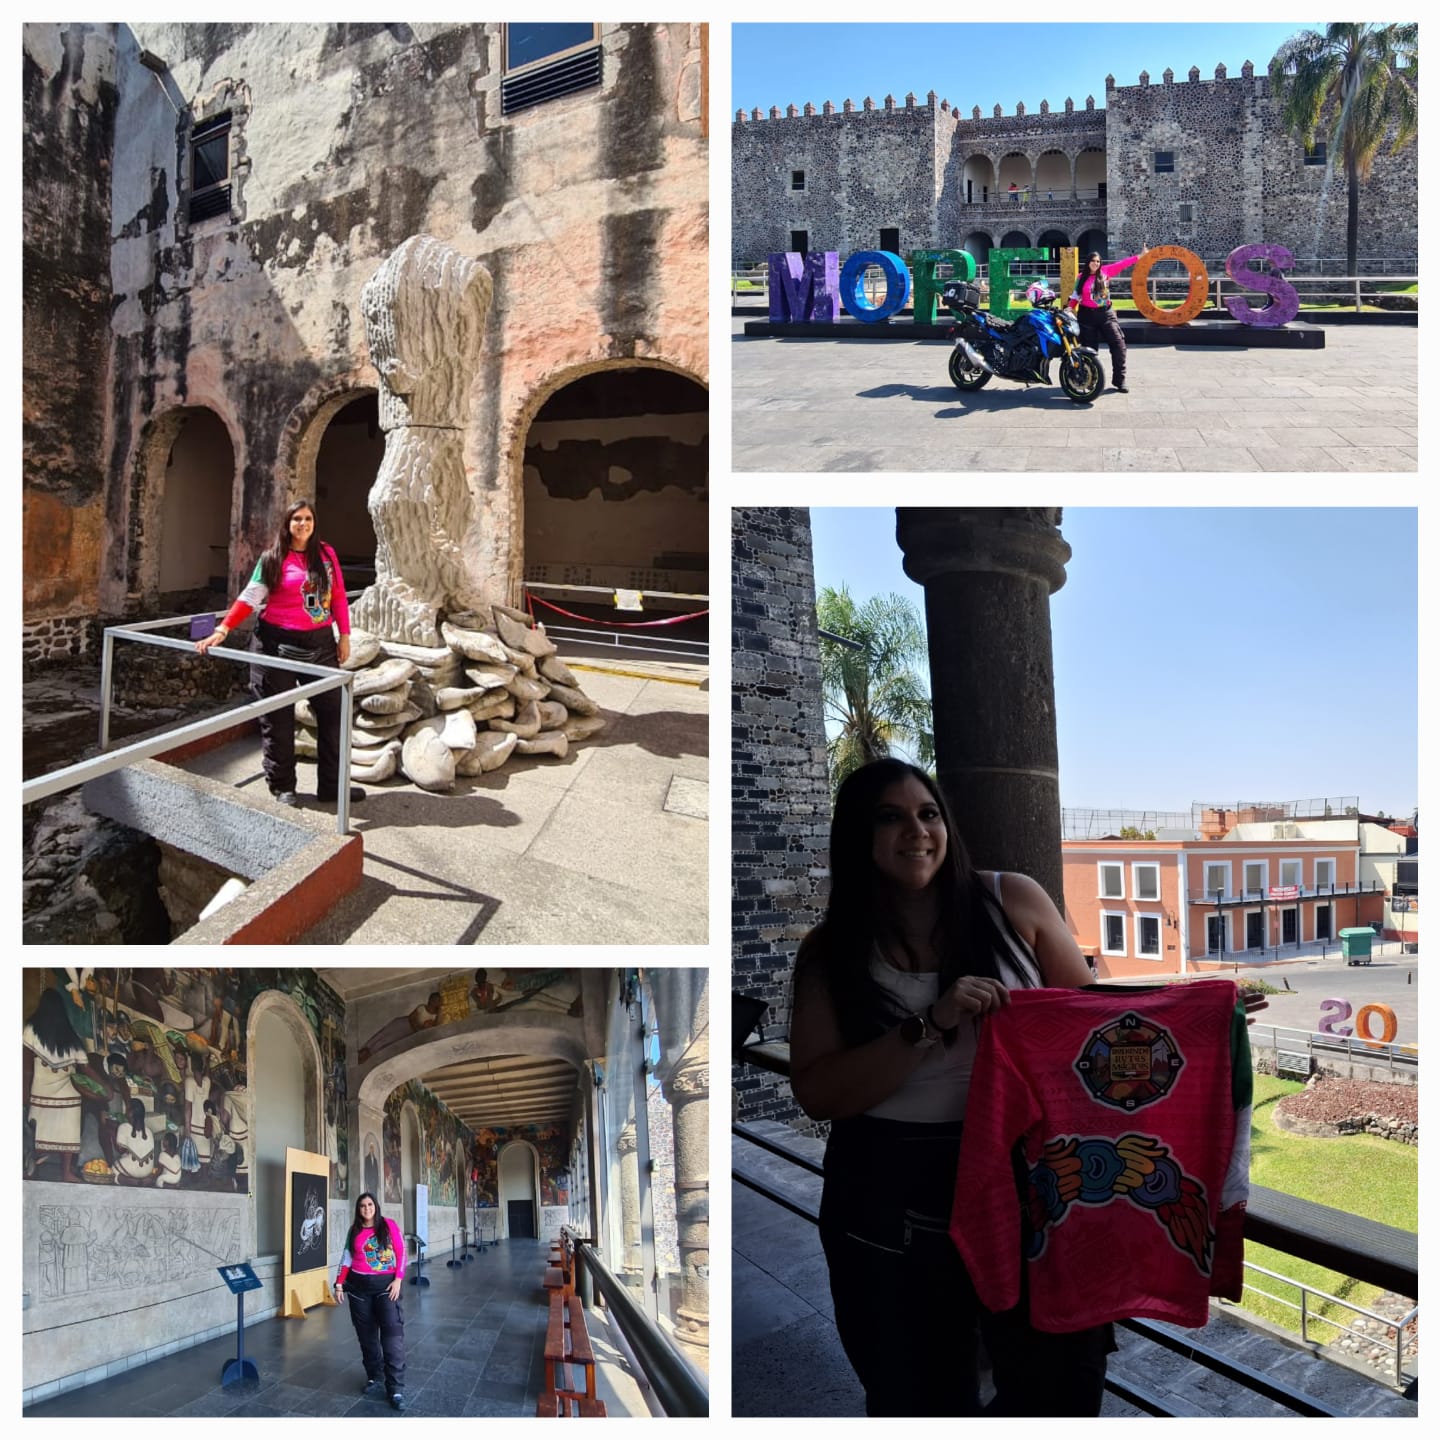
(905, 1309)
(380, 1325)
(1099, 327)
(277, 729)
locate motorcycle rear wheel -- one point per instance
(964, 375)
(1081, 377)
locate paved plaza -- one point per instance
(871, 405)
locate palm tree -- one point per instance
(1365, 78)
(876, 688)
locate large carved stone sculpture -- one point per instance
(425, 312)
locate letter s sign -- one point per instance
(1330, 1011)
(1284, 301)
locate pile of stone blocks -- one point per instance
(494, 689)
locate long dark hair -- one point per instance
(381, 1229)
(273, 560)
(1099, 282)
(52, 1027)
(861, 913)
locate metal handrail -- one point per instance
(329, 679)
(678, 1388)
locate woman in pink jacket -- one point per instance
(300, 593)
(1091, 301)
(371, 1276)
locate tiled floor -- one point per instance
(474, 1341)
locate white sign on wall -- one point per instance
(422, 1212)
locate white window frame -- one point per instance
(1318, 862)
(1135, 867)
(804, 184)
(1206, 865)
(1299, 862)
(1227, 929)
(1123, 916)
(1100, 865)
(1159, 935)
(1245, 928)
(1264, 876)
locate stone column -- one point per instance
(988, 574)
(688, 1091)
(630, 1263)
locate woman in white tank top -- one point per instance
(916, 948)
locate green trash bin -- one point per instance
(1355, 943)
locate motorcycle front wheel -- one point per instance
(964, 375)
(1081, 377)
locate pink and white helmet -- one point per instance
(1039, 293)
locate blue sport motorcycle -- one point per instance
(1022, 349)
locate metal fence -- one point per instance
(141, 632)
(1299, 1052)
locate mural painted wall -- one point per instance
(440, 1135)
(140, 1077)
(551, 1144)
(387, 1020)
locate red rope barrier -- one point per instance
(532, 600)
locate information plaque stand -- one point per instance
(239, 1278)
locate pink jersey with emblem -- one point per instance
(1133, 1106)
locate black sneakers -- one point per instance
(284, 797)
(397, 1401)
(356, 796)
(373, 1387)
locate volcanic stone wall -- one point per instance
(866, 168)
(780, 786)
(1239, 175)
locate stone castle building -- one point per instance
(203, 205)
(1206, 164)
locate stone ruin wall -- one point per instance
(1242, 171)
(780, 827)
(864, 168)
(590, 212)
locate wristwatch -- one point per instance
(918, 1033)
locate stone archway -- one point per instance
(182, 502)
(616, 487)
(410, 1165)
(518, 1166)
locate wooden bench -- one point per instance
(551, 1405)
(559, 1278)
(567, 1346)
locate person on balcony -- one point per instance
(1091, 301)
(916, 948)
(1014, 193)
(300, 593)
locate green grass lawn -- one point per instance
(1360, 1174)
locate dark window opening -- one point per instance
(800, 241)
(1315, 154)
(1115, 933)
(1148, 939)
(890, 239)
(797, 179)
(1100, 190)
(1164, 162)
(210, 168)
(546, 62)
(1187, 214)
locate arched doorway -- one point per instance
(1014, 240)
(979, 180)
(1091, 242)
(346, 463)
(409, 1164)
(1014, 170)
(520, 1191)
(979, 244)
(189, 462)
(616, 492)
(284, 1080)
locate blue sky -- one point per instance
(1212, 654)
(980, 64)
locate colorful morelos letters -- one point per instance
(813, 287)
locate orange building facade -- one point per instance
(1166, 907)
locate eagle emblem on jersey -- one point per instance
(1097, 1170)
(1129, 1062)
